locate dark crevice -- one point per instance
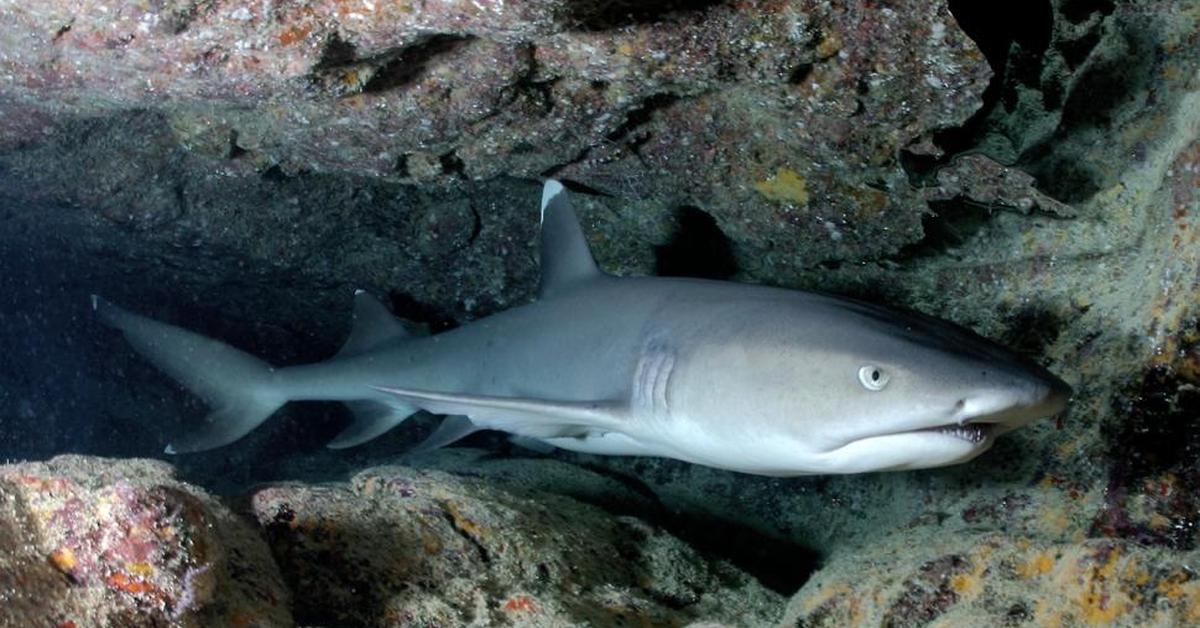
(63, 30)
(453, 165)
(179, 19)
(1154, 442)
(552, 171)
(777, 563)
(635, 118)
(996, 26)
(336, 52)
(476, 225)
(642, 114)
(949, 225)
(406, 307)
(1024, 27)
(1020, 42)
(1159, 427)
(534, 93)
(1099, 95)
(631, 482)
(800, 73)
(401, 167)
(234, 151)
(1030, 330)
(698, 248)
(453, 520)
(588, 15)
(274, 174)
(1079, 11)
(399, 69)
(581, 188)
(1076, 51)
(341, 72)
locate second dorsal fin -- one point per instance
(566, 259)
(373, 326)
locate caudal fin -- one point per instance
(239, 387)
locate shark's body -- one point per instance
(736, 376)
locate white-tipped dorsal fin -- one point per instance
(373, 326)
(566, 259)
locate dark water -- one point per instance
(73, 385)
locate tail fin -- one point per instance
(239, 387)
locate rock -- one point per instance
(695, 104)
(398, 546)
(999, 579)
(979, 180)
(244, 194)
(95, 542)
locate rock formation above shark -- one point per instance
(735, 376)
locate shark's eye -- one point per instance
(872, 377)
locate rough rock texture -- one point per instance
(90, 542)
(93, 542)
(402, 547)
(807, 144)
(1000, 580)
(784, 119)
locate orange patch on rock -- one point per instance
(520, 604)
(122, 582)
(293, 35)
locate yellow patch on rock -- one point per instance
(1101, 602)
(1056, 520)
(64, 559)
(787, 186)
(829, 46)
(143, 569)
(1040, 564)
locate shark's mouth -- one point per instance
(974, 433)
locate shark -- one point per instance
(743, 377)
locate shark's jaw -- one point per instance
(963, 433)
(974, 433)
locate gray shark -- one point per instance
(744, 377)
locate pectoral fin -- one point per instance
(539, 418)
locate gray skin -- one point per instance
(736, 376)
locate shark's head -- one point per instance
(841, 386)
(917, 392)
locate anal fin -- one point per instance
(371, 420)
(451, 429)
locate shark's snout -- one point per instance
(1018, 404)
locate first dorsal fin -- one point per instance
(373, 326)
(566, 259)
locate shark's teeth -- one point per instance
(972, 433)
